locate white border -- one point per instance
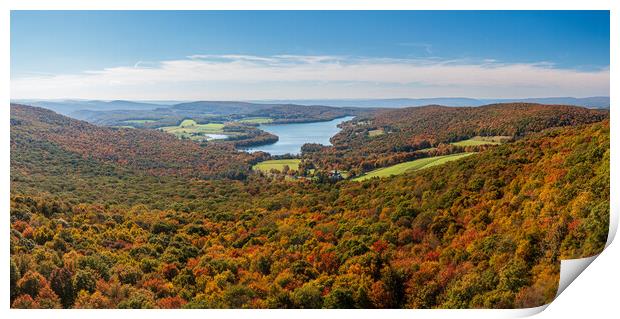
(600, 286)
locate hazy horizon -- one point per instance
(308, 99)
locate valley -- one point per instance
(282, 158)
(470, 207)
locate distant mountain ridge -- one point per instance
(67, 107)
(221, 107)
(590, 102)
(84, 109)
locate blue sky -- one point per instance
(308, 54)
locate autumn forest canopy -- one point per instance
(419, 207)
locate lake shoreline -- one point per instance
(291, 136)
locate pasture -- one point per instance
(411, 166)
(267, 166)
(483, 140)
(192, 130)
(373, 133)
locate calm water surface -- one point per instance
(293, 136)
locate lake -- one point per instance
(293, 136)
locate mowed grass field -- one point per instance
(278, 165)
(482, 140)
(191, 129)
(256, 120)
(374, 133)
(412, 166)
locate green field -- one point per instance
(412, 166)
(278, 165)
(482, 140)
(374, 133)
(192, 130)
(256, 120)
(426, 150)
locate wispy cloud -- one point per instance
(295, 76)
(427, 47)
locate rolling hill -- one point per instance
(70, 107)
(408, 130)
(488, 230)
(152, 151)
(219, 111)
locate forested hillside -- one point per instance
(392, 136)
(291, 113)
(124, 218)
(151, 151)
(220, 111)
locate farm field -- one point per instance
(426, 150)
(256, 120)
(267, 166)
(374, 133)
(482, 140)
(192, 130)
(412, 166)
